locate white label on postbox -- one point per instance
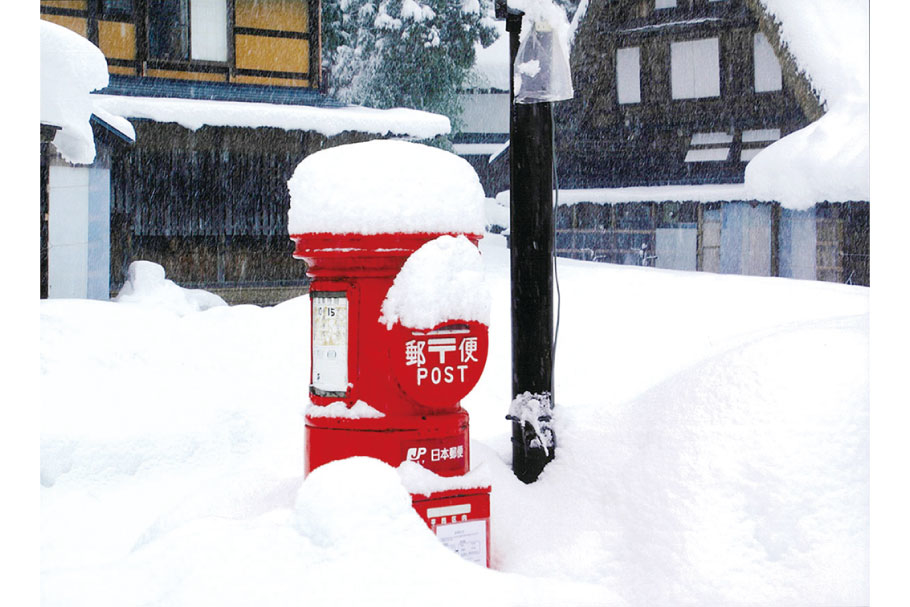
(468, 539)
(330, 343)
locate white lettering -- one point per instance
(413, 353)
(442, 345)
(462, 369)
(449, 377)
(436, 375)
(415, 453)
(422, 373)
(468, 347)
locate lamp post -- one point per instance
(531, 251)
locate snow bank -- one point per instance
(443, 280)
(420, 481)
(385, 186)
(829, 159)
(71, 68)
(712, 449)
(196, 113)
(146, 285)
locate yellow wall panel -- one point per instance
(277, 54)
(207, 76)
(117, 40)
(118, 69)
(80, 26)
(270, 81)
(76, 5)
(284, 15)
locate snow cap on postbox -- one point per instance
(385, 187)
(438, 314)
(442, 281)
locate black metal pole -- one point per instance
(531, 250)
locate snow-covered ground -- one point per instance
(713, 449)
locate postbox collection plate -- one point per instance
(330, 343)
(439, 367)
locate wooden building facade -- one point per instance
(264, 42)
(673, 93)
(209, 204)
(829, 242)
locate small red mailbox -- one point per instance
(460, 519)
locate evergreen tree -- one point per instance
(403, 53)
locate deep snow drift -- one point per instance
(712, 450)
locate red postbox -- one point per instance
(391, 389)
(413, 379)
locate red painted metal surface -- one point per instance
(460, 519)
(439, 367)
(358, 271)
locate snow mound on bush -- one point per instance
(146, 284)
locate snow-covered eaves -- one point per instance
(477, 149)
(666, 193)
(329, 121)
(118, 126)
(71, 67)
(828, 161)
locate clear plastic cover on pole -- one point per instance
(542, 72)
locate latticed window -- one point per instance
(169, 26)
(116, 7)
(181, 30)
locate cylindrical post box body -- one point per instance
(352, 361)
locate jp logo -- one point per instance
(416, 453)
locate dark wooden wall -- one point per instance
(615, 233)
(602, 143)
(209, 205)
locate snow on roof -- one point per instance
(491, 64)
(196, 113)
(665, 193)
(71, 68)
(830, 41)
(385, 186)
(829, 159)
(119, 123)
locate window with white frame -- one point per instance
(768, 76)
(181, 30)
(664, 4)
(628, 75)
(695, 69)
